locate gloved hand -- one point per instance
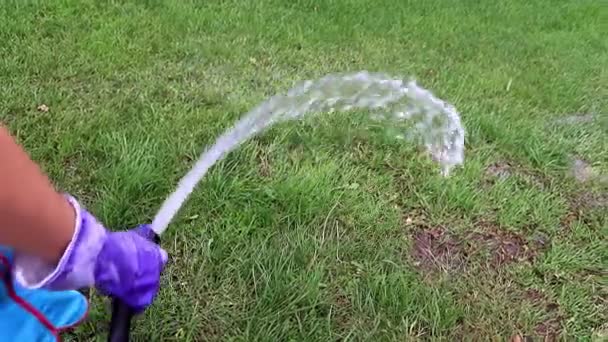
(124, 265)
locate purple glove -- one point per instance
(125, 265)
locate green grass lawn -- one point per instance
(322, 230)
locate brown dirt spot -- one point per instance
(342, 301)
(437, 249)
(414, 219)
(434, 248)
(568, 219)
(535, 295)
(264, 164)
(538, 298)
(590, 200)
(581, 204)
(500, 170)
(551, 326)
(342, 305)
(504, 247)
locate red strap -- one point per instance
(8, 283)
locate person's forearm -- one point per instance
(34, 217)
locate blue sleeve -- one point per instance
(35, 315)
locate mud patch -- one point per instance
(503, 247)
(436, 249)
(589, 200)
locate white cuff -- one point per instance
(33, 272)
